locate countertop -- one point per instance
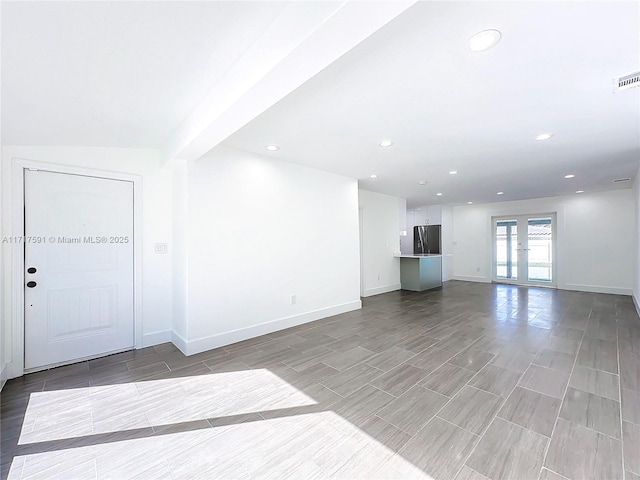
(418, 255)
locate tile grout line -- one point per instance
(542, 393)
(461, 428)
(598, 370)
(472, 469)
(591, 430)
(341, 396)
(380, 390)
(520, 426)
(21, 468)
(482, 434)
(554, 472)
(624, 471)
(397, 427)
(447, 403)
(504, 400)
(440, 409)
(575, 361)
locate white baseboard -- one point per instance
(180, 342)
(595, 289)
(378, 290)
(568, 286)
(203, 344)
(467, 278)
(156, 338)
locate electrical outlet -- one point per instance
(477, 269)
(293, 299)
(378, 277)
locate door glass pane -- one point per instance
(501, 250)
(506, 253)
(540, 239)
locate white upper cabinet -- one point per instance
(429, 215)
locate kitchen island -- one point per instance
(420, 272)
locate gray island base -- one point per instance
(420, 272)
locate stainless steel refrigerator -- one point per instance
(426, 239)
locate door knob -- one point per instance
(31, 270)
(31, 284)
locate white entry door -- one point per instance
(78, 267)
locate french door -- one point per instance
(524, 249)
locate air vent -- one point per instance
(626, 81)
(620, 180)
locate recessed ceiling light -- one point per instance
(422, 182)
(453, 172)
(385, 143)
(500, 193)
(373, 175)
(570, 175)
(439, 194)
(469, 203)
(484, 40)
(579, 191)
(272, 148)
(544, 136)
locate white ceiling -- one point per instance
(128, 74)
(117, 74)
(446, 108)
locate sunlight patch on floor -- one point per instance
(315, 445)
(89, 411)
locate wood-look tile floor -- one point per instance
(472, 381)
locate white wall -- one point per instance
(406, 243)
(402, 215)
(595, 239)
(156, 225)
(3, 301)
(260, 231)
(180, 257)
(380, 241)
(636, 285)
(447, 242)
(5, 312)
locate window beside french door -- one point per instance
(524, 249)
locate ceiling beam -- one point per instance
(304, 39)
